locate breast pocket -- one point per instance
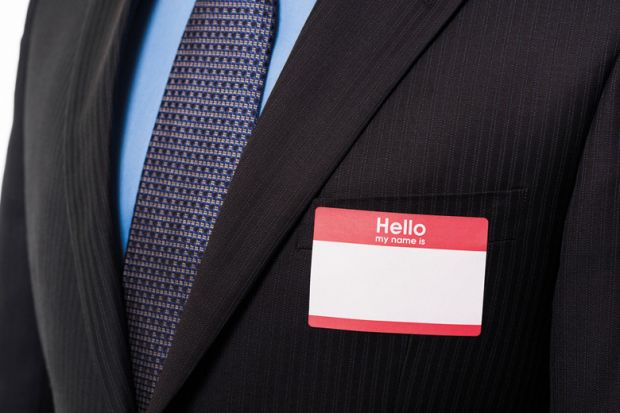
(503, 210)
(435, 286)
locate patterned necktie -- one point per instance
(208, 111)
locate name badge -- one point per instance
(397, 273)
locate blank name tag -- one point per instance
(397, 273)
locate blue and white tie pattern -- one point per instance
(208, 111)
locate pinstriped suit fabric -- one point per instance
(510, 111)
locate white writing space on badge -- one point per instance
(397, 273)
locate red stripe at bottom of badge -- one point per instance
(397, 327)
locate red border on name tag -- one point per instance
(436, 231)
(397, 327)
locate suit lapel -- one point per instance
(88, 184)
(349, 57)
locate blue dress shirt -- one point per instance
(161, 39)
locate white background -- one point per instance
(12, 19)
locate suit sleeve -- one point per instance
(24, 385)
(585, 340)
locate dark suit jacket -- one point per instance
(507, 109)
